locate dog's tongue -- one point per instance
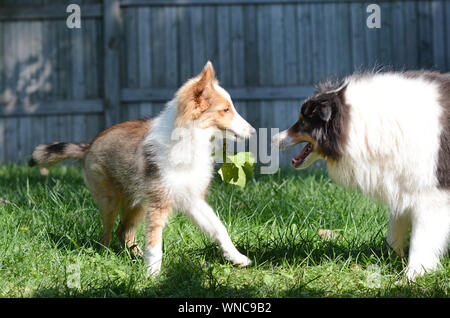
(303, 154)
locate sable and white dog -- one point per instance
(152, 167)
(387, 134)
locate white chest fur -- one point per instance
(393, 139)
(183, 157)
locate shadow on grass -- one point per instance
(316, 251)
(188, 277)
(66, 243)
(182, 279)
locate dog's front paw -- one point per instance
(412, 273)
(153, 270)
(240, 260)
(244, 262)
(153, 259)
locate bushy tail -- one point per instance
(50, 154)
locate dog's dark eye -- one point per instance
(226, 110)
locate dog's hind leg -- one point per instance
(108, 207)
(107, 199)
(130, 217)
(430, 233)
(399, 225)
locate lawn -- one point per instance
(49, 228)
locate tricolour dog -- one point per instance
(387, 134)
(152, 167)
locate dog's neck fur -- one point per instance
(179, 147)
(183, 141)
(182, 156)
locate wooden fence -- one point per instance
(129, 56)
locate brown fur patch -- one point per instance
(194, 95)
(199, 100)
(219, 115)
(134, 128)
(130, 217)
(118, 168)
(156, 219)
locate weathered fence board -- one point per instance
(130, 56)
(56, 107)
(33, 12)
(129, 3)
(111, 76)
(133, 95)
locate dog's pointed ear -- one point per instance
(206, 78)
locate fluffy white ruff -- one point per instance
(183, 156)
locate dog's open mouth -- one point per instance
(300, 159)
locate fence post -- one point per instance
(111, 72)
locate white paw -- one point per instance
(153, 259)
(412, 273)
(153, 270)
(240, 260)
(418, 268)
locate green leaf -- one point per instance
(229, 172)
(242, 178)
(241, 158)
(233, 174)
(237, 168)
(248, 169)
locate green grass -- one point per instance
(49, 223)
